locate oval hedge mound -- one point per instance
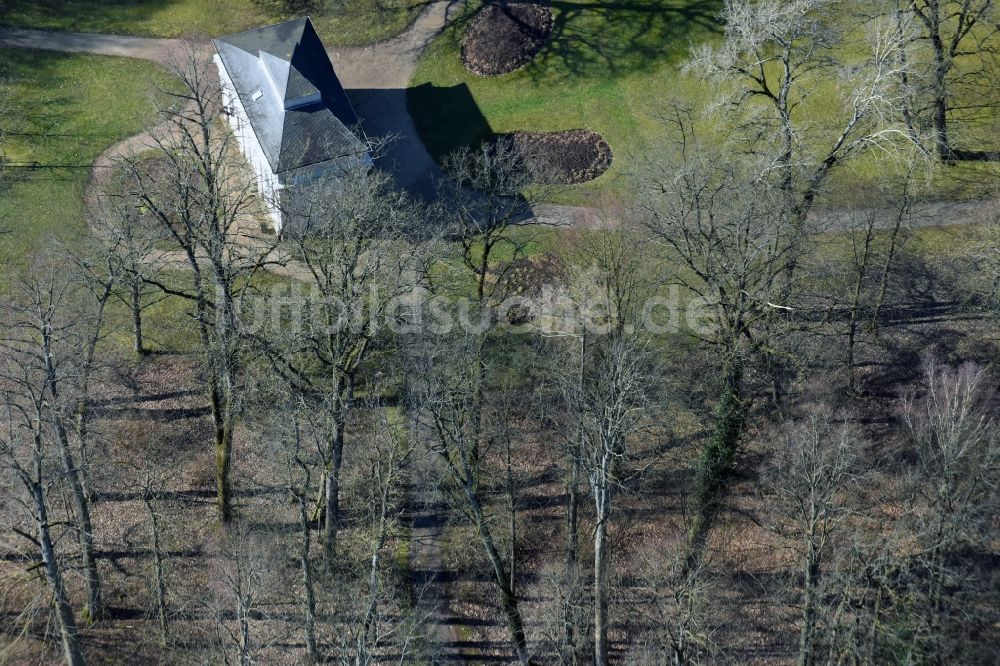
(564, 158)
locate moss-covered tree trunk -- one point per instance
(717, 459)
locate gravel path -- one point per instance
(157, 50)
(376, 78)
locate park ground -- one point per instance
(68, 108)
(347, 23)
(618, 68)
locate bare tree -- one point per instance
(986, 280)
(853, 284)
(202, 197)
(605, 402)
(299, 486)
(382, 624)
(772, 57)
(873, 252)
(949, 49)
(25, 445)
(485, 199)
(811, 476)
(360, 246)
(44, 342)
(722, 231)
(954, 498)
(610, 410)
(125, 245)
(247, 575)
(159, 571)
(675, 606)
(447, 384)
(910, 587)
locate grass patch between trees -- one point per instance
(60, 112)
(607, 67)
(344, 23)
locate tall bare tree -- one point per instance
(854, 284)
(950, 50)
(359, 245)
(813, 472)
(382, 625)
(953, 493)
(25, 451)
(201, 195)
(773, 56)
(485, 198)
(43, 340)
(722, 232)
(482, 205)
(124, 244)
(606, 401)
(448, 383)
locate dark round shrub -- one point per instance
(504, 36)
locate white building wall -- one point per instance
(268, 184)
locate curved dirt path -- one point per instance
(145, 48)
(376, 78)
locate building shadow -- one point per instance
(456, 121)
(385, 117)
(399, 146)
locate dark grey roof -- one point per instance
(302, 115)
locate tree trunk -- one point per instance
(508, 600)
(572, 526)
(335, 458)
(512, 509)
(158, 573)
(307, 581)
(806, 635)
(81, 500)
(223, 455)
(365, 642)
(601, 591)
(83, 395)
(92, 581)
(717, 459)
(135, 304)
(861, 272)
(572, 549)
(64, 612)
(940, 83)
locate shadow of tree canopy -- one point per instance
(607, 38)
(614, 38)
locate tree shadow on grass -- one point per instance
(82, 15)
(608, 38)
(600, 39)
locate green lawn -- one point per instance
(61, 111)
(347, 22)
(612, 67)
(608, 67)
